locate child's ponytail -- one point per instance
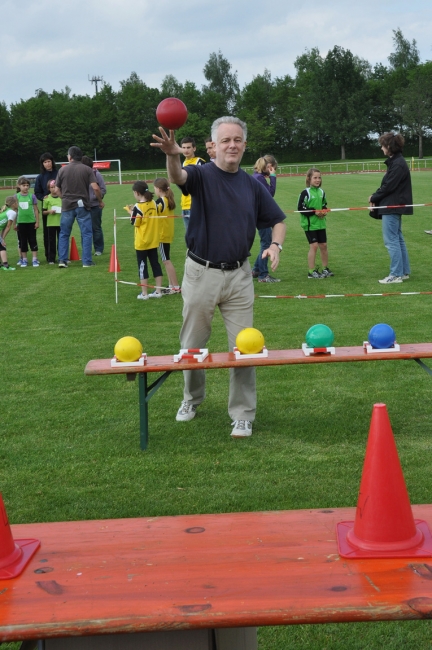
(163, 185)
(142, 188)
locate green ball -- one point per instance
(319, 336)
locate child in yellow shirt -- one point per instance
(146, 224)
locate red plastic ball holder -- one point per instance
(115, 363)
(258, 355)
(370, 350)
(14, 554)
(197, 354)
(307, 351)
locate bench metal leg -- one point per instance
(145, 394)
(424, 366)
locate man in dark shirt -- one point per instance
(72, 184)
(228, 205)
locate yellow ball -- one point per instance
(128, 349)
(250, 341)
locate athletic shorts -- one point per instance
(164, 252)
(316, 236)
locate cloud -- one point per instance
(65, 43)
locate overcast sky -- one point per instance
(51, 45)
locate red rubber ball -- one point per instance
(171, 113)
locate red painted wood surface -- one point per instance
(204, 571)
(275, 358)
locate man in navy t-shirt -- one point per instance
(228, 206)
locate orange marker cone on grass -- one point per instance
(384, 525)
(14, 555)
(73, 255)
(114, 264)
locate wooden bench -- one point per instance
(165, 366)
(166, 575)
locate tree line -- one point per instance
(334, 107)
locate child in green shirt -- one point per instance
(312, 205)
(52, 210)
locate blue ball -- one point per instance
(382, 336)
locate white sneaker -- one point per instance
(143, 296)
(186, 412)
(155, 294)
(391, 279)
(428, 232)
(242, 429)
(405, 277)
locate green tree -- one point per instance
(285, 105)
(170, 87)
(255, 107)
(221, 80)
(136, 106)
(406, 55)
(105, 123)
(414, 103)
(5, 133)
(334, 97)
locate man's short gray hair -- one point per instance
(228, 119)
(75, 153)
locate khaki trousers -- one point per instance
(203, 290)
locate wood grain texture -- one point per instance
(204, 571)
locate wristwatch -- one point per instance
(275, 243)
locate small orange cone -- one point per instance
(14, 555)
(384, 525)
(114, 263)
(73, 255)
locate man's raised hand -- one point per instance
(165, 143)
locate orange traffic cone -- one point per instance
(114, 263)
(73, 255)
(384, 525)
(14, 555)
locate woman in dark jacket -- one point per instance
(48, 172)
(395, 190)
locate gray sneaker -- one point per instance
(241, 429)
(269, 278)
(391, 279)
(315, 275)
(186, 412)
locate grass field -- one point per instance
(69, 443)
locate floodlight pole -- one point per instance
(95, 80)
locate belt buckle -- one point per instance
(226, 267)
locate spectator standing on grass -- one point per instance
(396, 190)
(51, 209)
(8, 213)
(48, 172)
(27, 222)
(72, 185)
(166, 205)
(312, 205)
(188, 147)
(227, 207)
(144, 218)
(263, 170)
(95, 208)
